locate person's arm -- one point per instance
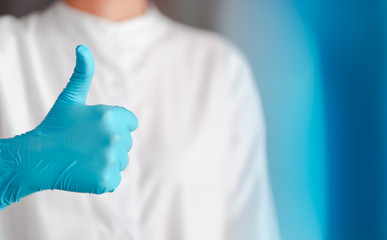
(251, 212)
(76, 148)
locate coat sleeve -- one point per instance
(250, 206)
(6, 23)
(7, 43)
(8, 26)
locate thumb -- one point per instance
(79, 84)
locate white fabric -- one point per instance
(198, 167)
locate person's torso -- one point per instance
(170, 78)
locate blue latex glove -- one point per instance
(76, 148)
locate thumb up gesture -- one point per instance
(77, 148)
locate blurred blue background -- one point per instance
(321, 67)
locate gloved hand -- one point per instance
(76, 148)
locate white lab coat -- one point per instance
(198, 167)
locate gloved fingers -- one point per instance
(115, 181)
(109, 175)
(117, 157)
(124, 161)
(122, 138)
(116, 118)
(127, 142)
(127, 117)
(120, 159)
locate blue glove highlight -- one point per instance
(77, 148)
